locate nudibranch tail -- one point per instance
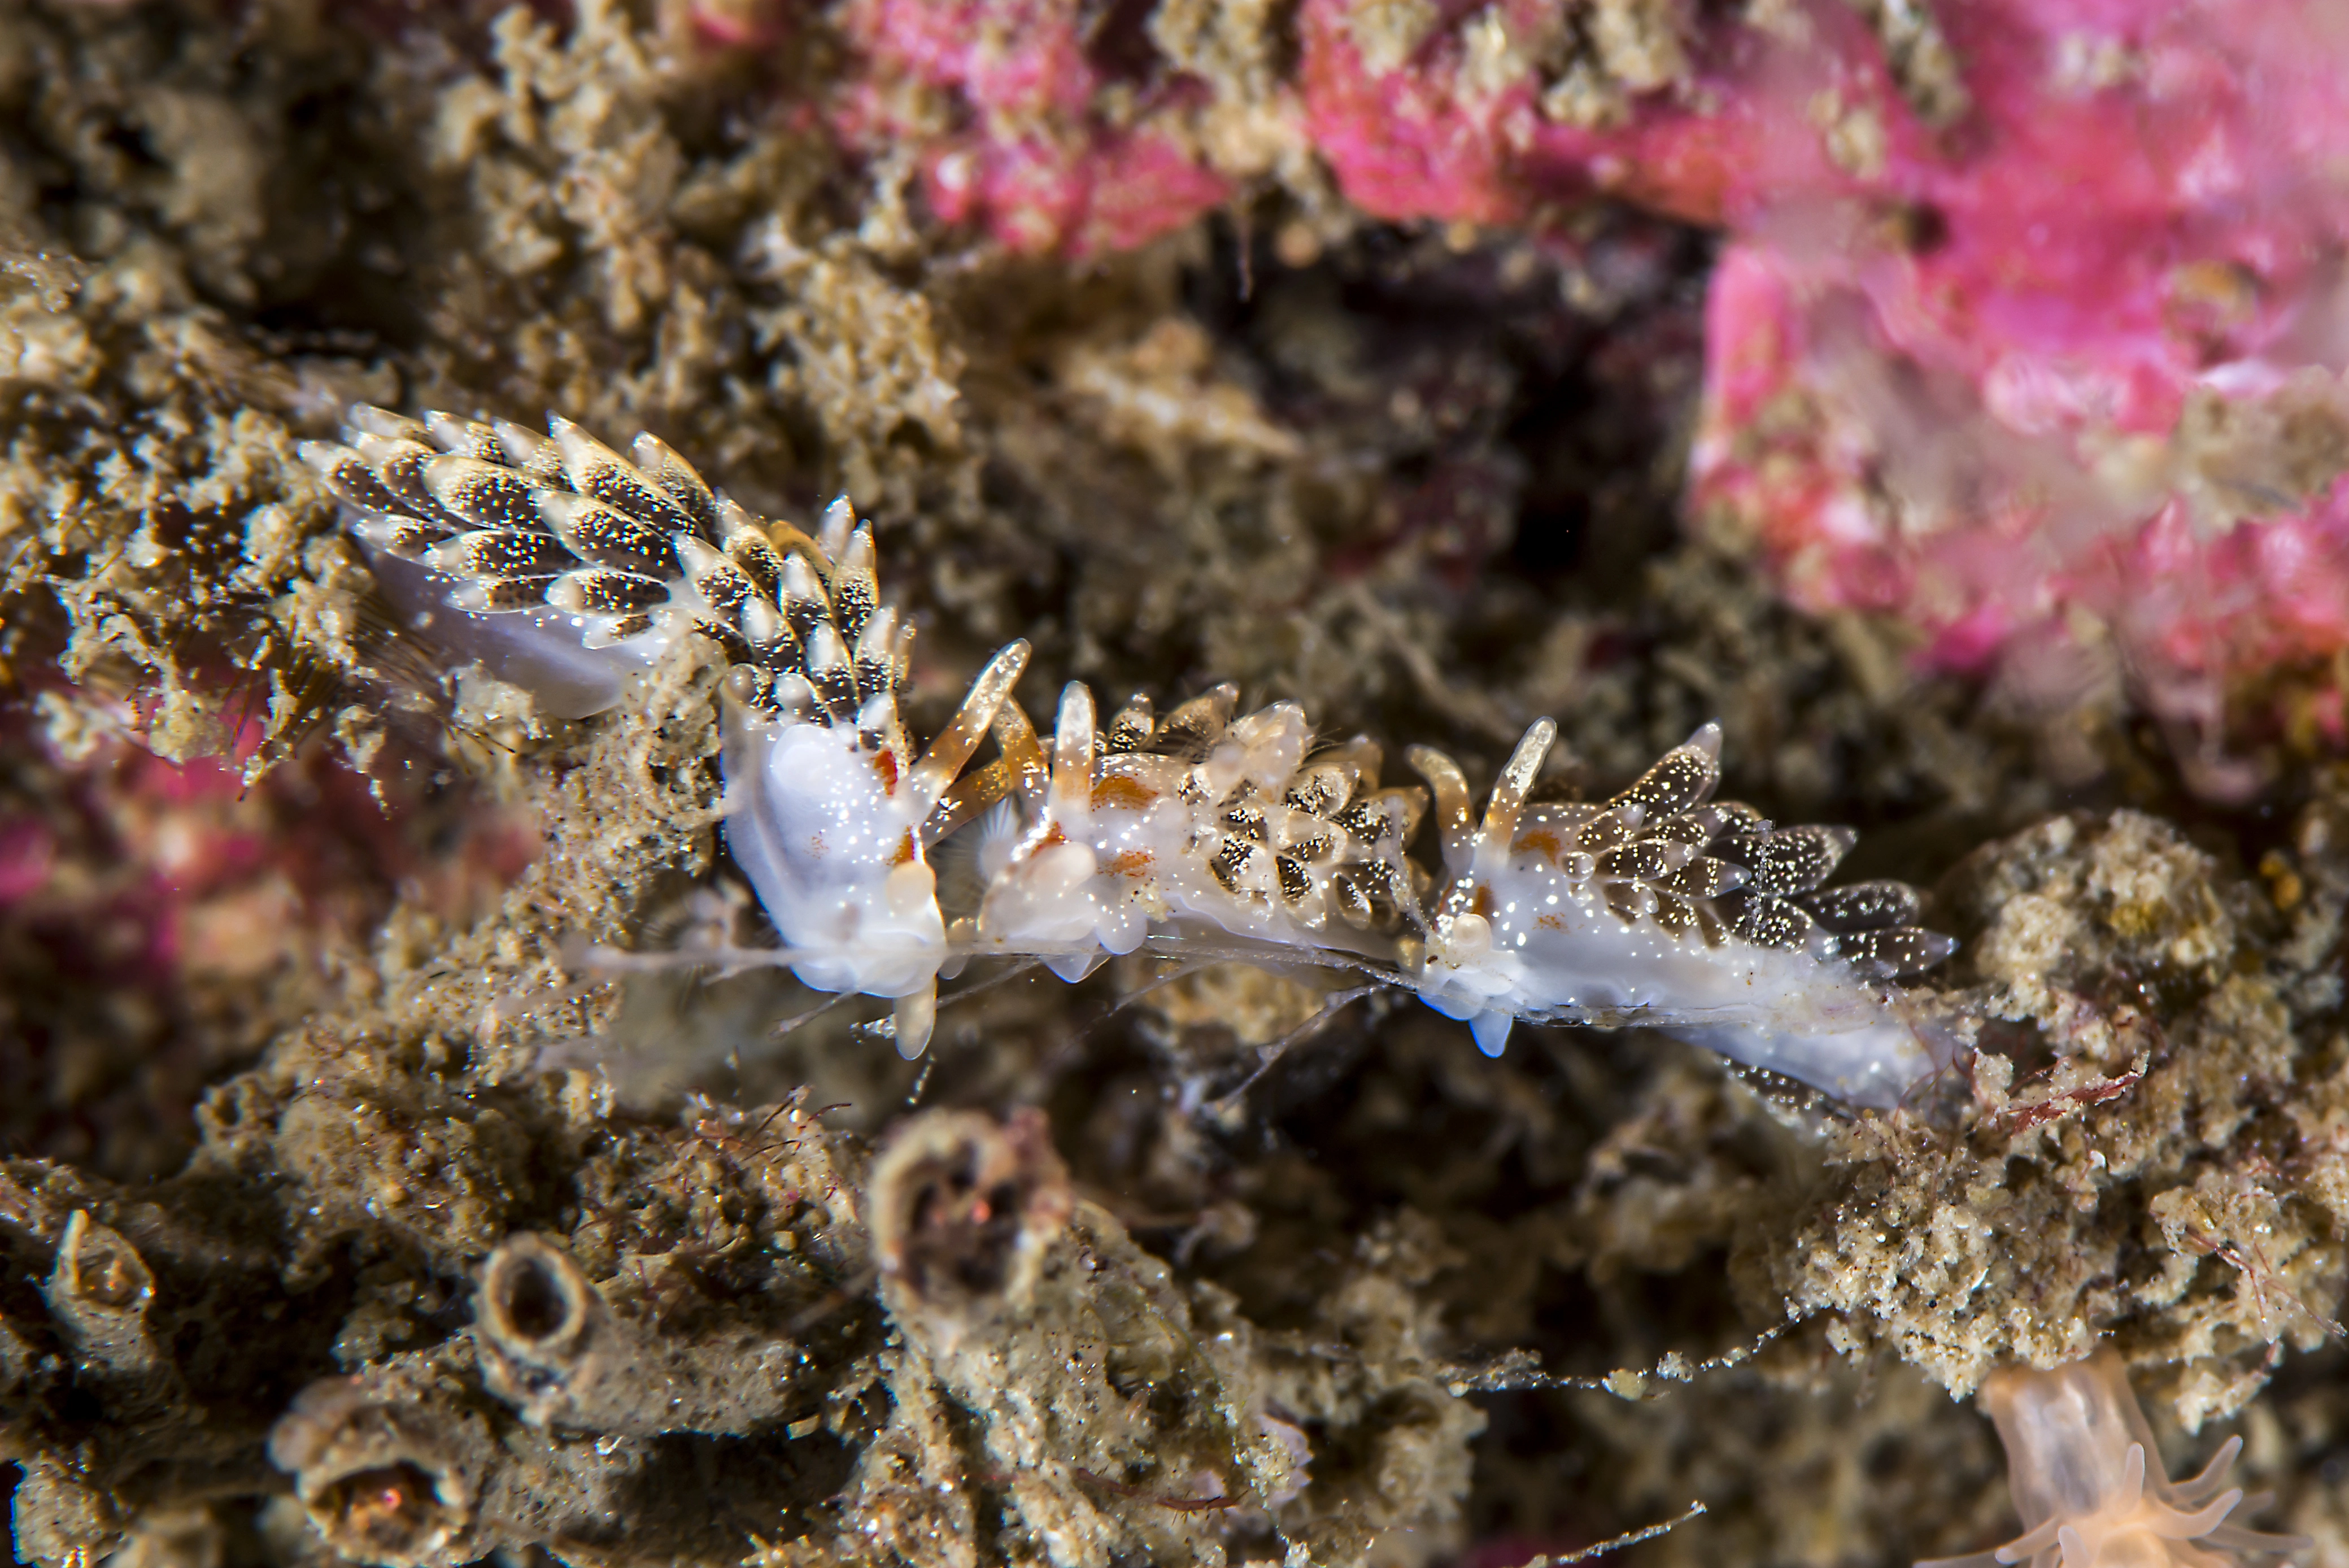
(567, 567)
(1661, 906)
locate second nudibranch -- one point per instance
(565, 568)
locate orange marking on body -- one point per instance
(1481, 904)
(1543, 841)
(1551, 922)
(905, 850)
(1132, 863)
(885, 764)
(1123, 793)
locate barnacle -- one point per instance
(99, 1293)
(567, 566)
(2082, 1464)
(963, 1208)
(551, 1345)
(542, 1327)
(383, 1478)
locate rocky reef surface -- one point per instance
(345, 1213)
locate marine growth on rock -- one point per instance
(417, 1147)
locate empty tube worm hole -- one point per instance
(537, 1301)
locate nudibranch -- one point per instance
(2085, 1473)
(565, 569)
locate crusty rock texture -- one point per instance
(350, 1209)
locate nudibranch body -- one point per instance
(565, 569)
(1660, 905)
(2087, 1481)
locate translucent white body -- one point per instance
(826, 820)
(542, 650)
(1121, 849)
(826, 836)
(1527, 937)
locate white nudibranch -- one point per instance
(565, 568)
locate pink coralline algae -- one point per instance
(144, 902)
(2034, 343)
(2065, 383)
(2027, 328)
